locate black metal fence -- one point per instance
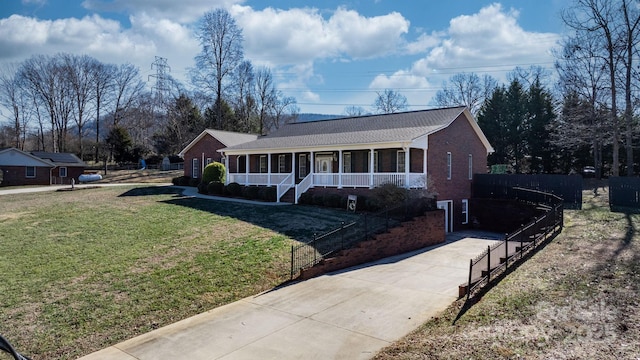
(519, 243)
(624, 192)
(347, 235)
(497, 186)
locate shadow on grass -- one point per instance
(298, 222)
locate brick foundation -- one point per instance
(412, 235)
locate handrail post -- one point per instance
(469, 283)
(315, 250)
(342, 235)
(506, 252)
(488, 264)
(291, 263)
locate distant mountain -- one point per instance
(314, 117)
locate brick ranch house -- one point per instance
(203, 150)
(38, 168)
(444, 145)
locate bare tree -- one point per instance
(466, 89)
(244, 104)
(103, 76)
(266, 96)
(221, 51)
(82, 77)
(13, 96)
(390, 101)
(353, 111)
(127, 88)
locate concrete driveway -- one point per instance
(350, 314)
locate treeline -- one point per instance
(75, 103)
(587, 117)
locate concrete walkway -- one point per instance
(350, 314)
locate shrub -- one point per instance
(317, 199)
(251, 192)
(389, 195)
(234, 189)
(305, 199)
(180, 181)
(268, 193)
(215, 188)
(214, 172)
(332, 200)
(202, 188)
(194, 182)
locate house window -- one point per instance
(62, 171)
(448, 166)
(400, 161)
(282, 165)
(465, 211)
(30, 172)
(263, 163)
(346, 162)
(470, 167)
(302, 166)
(195, 168)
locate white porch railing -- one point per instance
(412, 181)
(257, 179)
(303, 186)
(284, 186)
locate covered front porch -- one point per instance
(298, 171)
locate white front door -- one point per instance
(324, 167)
(447, 206)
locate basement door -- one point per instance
(447, 206)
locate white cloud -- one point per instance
(285, 37)
(183, 11)
(490, 41)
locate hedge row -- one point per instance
(263, 193)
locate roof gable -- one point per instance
(227, 138)
(16, 157)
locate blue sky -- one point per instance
(328, 54)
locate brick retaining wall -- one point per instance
(412, 235)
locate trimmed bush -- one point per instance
(317, 199)
(269, 193)
(214, 172)
(234, 189)
(251, 192)
(332, 200)
(202, 188)
(389, 195)
(305, 199)
(215, 188)
(181, 181)
(194, 182)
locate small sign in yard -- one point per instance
(351, 202)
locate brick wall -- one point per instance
(16, 175)
(207, 145)
(460, 140)
(416, 234)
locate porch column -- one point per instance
(226, 166)
(407, 167)
(312, 166)
(293, 168)
(268, 169)
(246, 170)
(340, 169)
(371, 168)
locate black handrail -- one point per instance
(5, 346)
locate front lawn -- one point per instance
(85, 269)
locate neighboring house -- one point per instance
(38, 168)
(368, 151)
(21, 168)
(68, 167)
(203, 150)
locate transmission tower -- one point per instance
(161, 88)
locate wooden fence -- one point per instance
(624, 192)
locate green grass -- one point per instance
(86, 269)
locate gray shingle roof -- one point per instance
(229, 138)
(387, 128)
(65, 159)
